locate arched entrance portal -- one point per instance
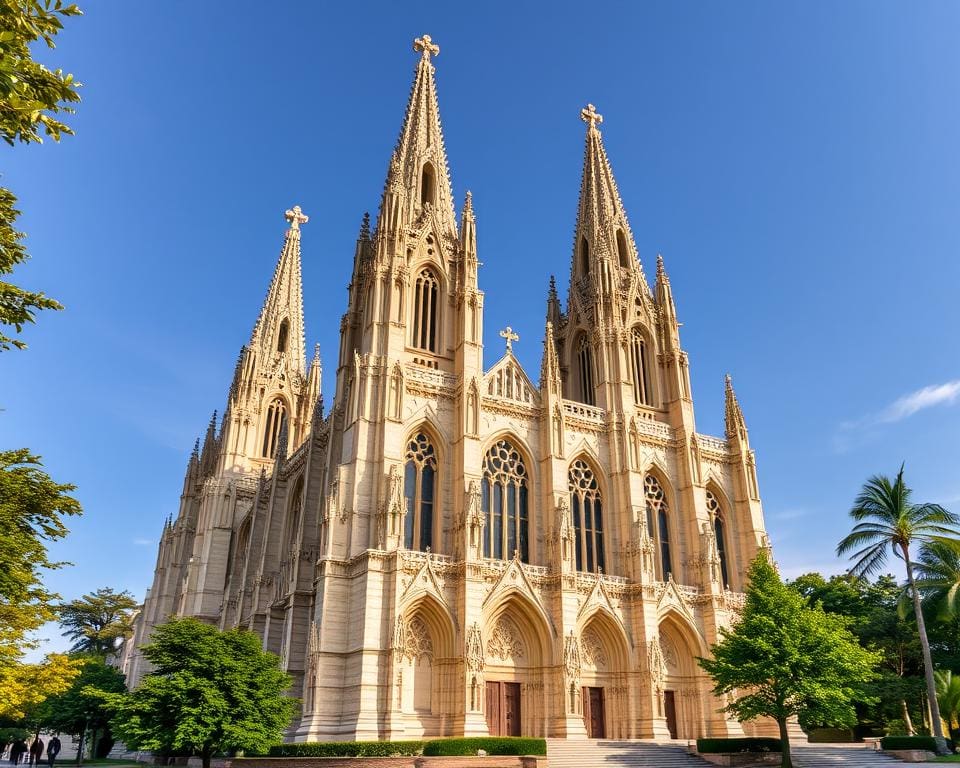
(682, 695)
(425, 670)
(605, 694)
(514, 702)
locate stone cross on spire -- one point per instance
(510, 336)
(590, 115)
(426, 46)
(296, 217)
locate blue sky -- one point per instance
(797, 165)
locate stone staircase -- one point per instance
(839, 756)
(600, 753)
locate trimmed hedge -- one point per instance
(909, 742)
(720, 746)
(348, 749)
(491, 745)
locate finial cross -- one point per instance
(426, 46)
(510, 336)
(590, 115)
(296, 217)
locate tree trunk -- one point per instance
(906, 718)
(205, 754)
(936, 725)
(786, 760)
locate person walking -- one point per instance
(53, 749)
(17, 751)
(36, 751)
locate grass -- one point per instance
(947, 759)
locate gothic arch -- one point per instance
(585, 452)
(646, 366)
(425, 309)
(436, 616)
(521, 445)
(425, 418)
(294, 513)
(674, 529)
(610, 628)
(724, 533)
(535, 627)
(683, 627)
(268, 435)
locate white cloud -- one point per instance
(927, 397)
(850, 433)
(143, 542)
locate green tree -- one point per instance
(209, 692)
(32, 512)
(83, 708)
(937, 572)
(98, 622)
(784, 658)
(948, 696)
(886, 517)
(32, 97)
(872, 611)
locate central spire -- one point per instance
(418, 168)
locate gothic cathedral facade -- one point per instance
(458, 550)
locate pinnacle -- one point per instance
(365, 226)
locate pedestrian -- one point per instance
(53, 749)
(17, 751)
(36, 751)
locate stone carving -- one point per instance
(413, 641)
(656, 662)
(474, 655)
(505, 643)
(592, 650)
(564, 529)
(669, 653)
(572, 657)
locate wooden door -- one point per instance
(670, 709)
(493, 709)
(596, 725)
(511, 709)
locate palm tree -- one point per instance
(938, 575)
(887, 518)
(948, 696)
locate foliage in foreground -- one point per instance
(748, 744)
(32, 512)
(348, 749)
(909, 742)
(31, 99)
(887, 518)
(783, 659)
(98, 622)
(83, 704)
(492, 745)
(210, 691)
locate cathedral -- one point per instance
(452, 549)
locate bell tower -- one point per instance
(272, 390)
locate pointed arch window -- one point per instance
(584, 257)
(428, 184)
(425, 311)
(282, 335)
(504, 496)
(419, 490)
(587, 508)
(719, 531)
(658, 523)
(293, 518)
(622, 251)
(641, 371)
(276, 421)
(585, 369)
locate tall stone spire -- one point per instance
(418, 168)
(736, 426)
(603, 237)
(279, 328)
